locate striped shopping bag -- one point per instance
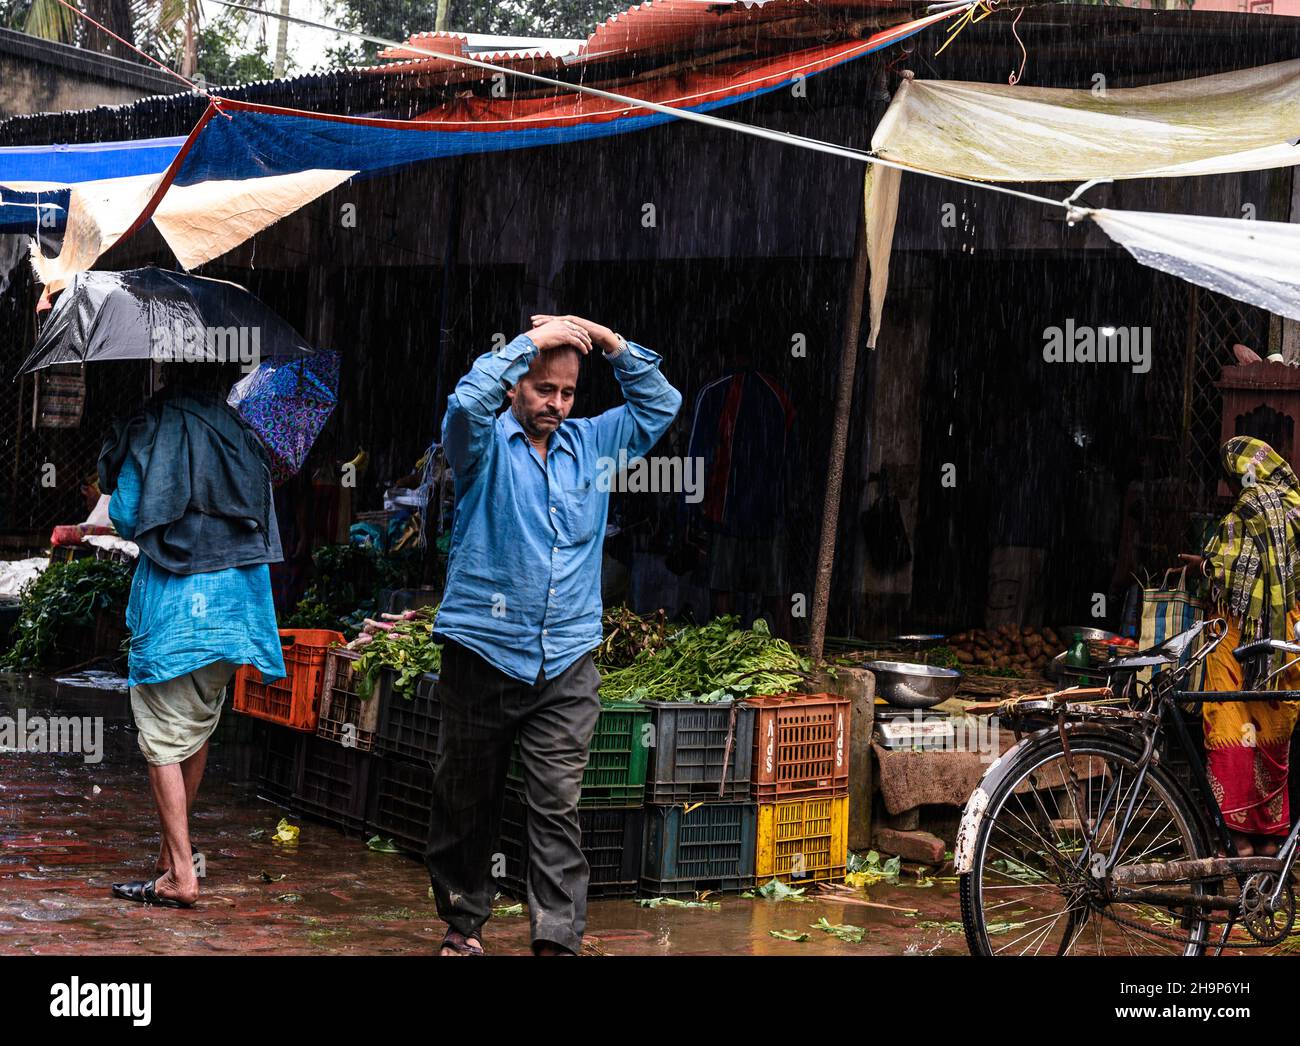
(1166, 611)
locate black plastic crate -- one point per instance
(612, 839)
(706, 847)
(409, 726)
(333, 783)
(401, 798)
(617, 758)
(238, 747)
(280, 763)
(693, 744)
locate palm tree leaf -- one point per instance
(50, 20)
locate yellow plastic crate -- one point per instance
(803, 840)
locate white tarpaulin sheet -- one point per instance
(1239, 121)
(1252, 261)
(199, 222)
(1242, 121)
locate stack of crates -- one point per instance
(406, 751)
(701, 820)
(611, 810)
(289, 710)
(801, 783)
(338, 765)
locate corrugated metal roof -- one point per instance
(663, 26)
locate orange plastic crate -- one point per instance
(293, 701)
(801, 746)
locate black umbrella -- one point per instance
(153, 314)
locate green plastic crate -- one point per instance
(618, 756)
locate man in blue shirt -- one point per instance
(521, 613)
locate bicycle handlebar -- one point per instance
(1257, 646)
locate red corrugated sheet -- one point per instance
(663, 27)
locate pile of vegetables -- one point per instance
(627, 635)
(402, 642)
(707, 663)
(1006, 650)
(347, 582)
(66, 595)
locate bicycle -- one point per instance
(1081, 839)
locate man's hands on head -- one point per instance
(556, 332)
(602, 337)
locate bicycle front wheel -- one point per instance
(1034, 886)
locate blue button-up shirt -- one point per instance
(523, 576)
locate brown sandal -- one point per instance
(459, 943)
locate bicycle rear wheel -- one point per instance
(1031, 890)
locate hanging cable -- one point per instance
(127, 43)
(1014, 78)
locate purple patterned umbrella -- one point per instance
(287, 402)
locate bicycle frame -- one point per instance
(1168, 700)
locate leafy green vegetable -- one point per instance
(381, 845)
(348, 581)
(65, 595)
(942, 657)
(787, 935)
(673, 902)
(627, 635)
(508, 911)
(408, 649)
(707, 663)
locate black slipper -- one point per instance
(142, 891)
(459, 943)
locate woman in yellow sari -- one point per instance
(1253, 565)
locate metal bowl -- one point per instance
(1088, 633)
(907, 685)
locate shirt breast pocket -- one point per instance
(580, 505)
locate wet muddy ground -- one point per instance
(69, 829)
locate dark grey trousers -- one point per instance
(482, 709)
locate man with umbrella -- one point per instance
(190, 484)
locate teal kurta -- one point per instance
(182, 622)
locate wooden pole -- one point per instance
(440, 20)
(839, 436)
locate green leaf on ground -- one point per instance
(844, 931)
(775, 890)
(866, 869)
(673, 902)
(380, 845)
(787, 935)
(951, 926)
